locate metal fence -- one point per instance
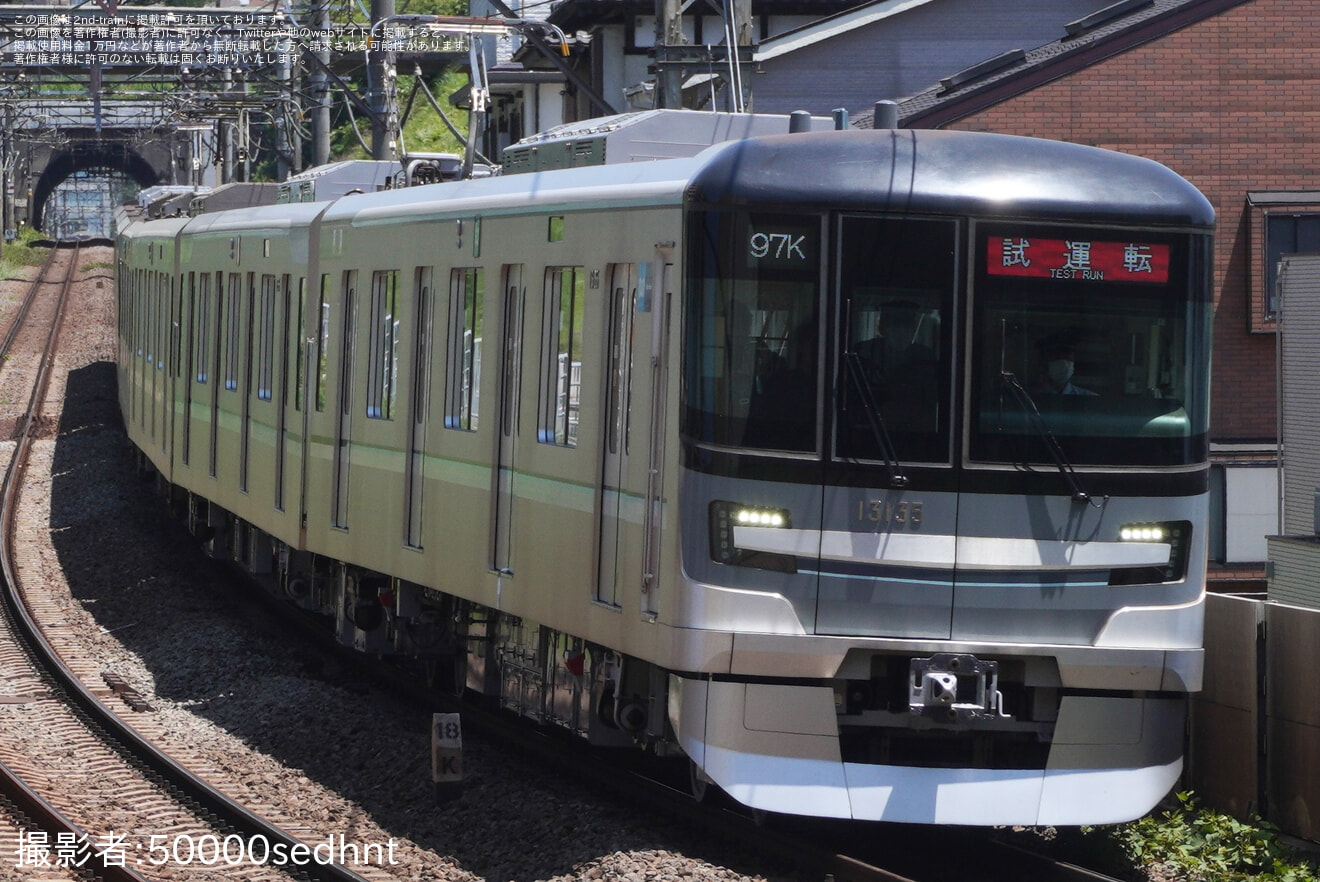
(1255, 734)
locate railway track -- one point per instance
(116, 807)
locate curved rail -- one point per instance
(188, 788)
(30, 803)
(26, 305)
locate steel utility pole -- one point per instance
(321, 92)
(380, 73)
(675, 58)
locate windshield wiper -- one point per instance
(853, 362)
(1028, 405)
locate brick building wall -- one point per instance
(1232, 103)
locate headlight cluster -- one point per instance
(1143, 533)
(1178, 536)
(724, 516)
(751, 517)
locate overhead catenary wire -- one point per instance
(462, 139)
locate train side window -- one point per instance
(176, 335)
(322, 342)
(232, 330)
(151, 318)
(623, 303)
(164, 322)
(266, 338)
(157, 305)
(561, 341)
(163, 296)
(383, 353)
(295, 332)
(465, 320)
(220, 307)
(203, 321)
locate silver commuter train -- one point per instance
(867, 468)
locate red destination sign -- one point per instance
(1077, 259)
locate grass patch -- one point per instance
(1180, 842)
(22, 252)
(1187, 841)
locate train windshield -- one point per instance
(753, 331)
(896, 285)
(1086, 343)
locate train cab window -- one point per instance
(462, 396)
(383, 353)
(753, 331)
(1090, 339)
(561, 380)
(896, 283)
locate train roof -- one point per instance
(273, 217)
(974, 173)
(141, 226)
(639, 184)
(909, 170)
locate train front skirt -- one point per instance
(776, 748)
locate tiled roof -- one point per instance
(581, 13)
(1106, 33)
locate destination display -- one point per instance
(1087, 260)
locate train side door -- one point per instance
(344, 420)
(188, 309)
(617, 505)
(248, 354)
(511, 313)
(414, 478)
(656, 296)
(281, 345)
(221, 314)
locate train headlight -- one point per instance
(1142, 533)
(725, 516)
(754, 517)
(1176, 534)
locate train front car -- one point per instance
(944, 476)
